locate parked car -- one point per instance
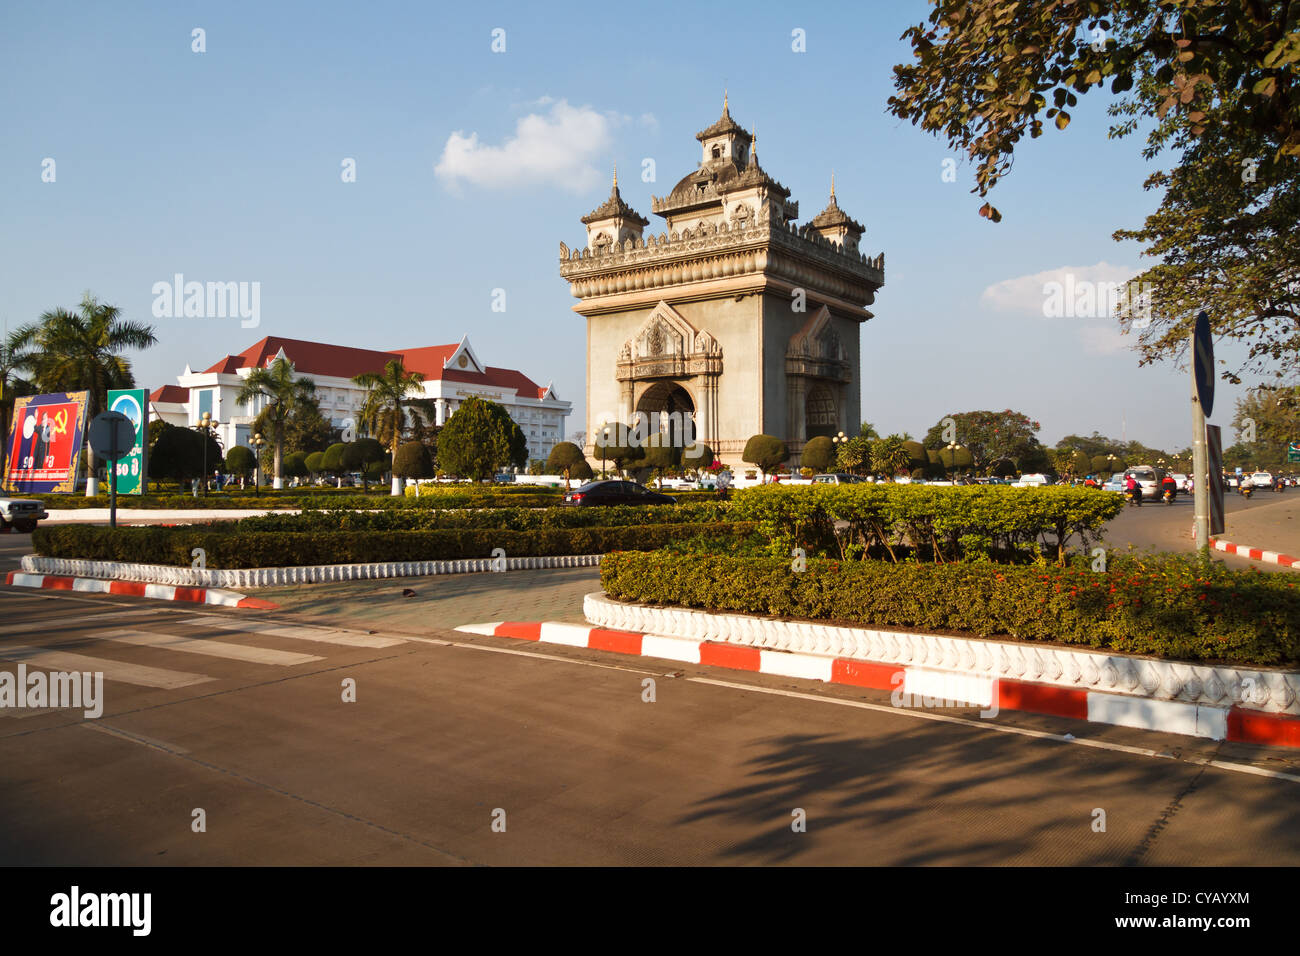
(1114, 483)
(21, 514)
(1032, 481)
(613, 492)
(838, 478)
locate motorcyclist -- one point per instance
(1169, 486)
(1134, 489)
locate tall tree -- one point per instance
(1213, 81)
(389, 398)
(286, 395)
(1267, 420)
(480, 438)
(72, 351)
(15, 356)
(990, 436)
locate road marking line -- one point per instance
(321, 635)
(45, 624)
(136, 674)
(141, 739)
(550, 657)
(191, 645)
(17, 713)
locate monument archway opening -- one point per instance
(670, 412)
(821, 415)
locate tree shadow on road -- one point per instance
(937, 794)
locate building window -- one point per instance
(205, 403)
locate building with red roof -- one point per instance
(451, 373)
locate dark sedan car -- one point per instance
(613, 492)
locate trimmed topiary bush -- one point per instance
(765, 451)
(413, 461)
(818, 453)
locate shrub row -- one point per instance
(949, 523)
(1170, 607)
(515, 519)
(456, 496)
(226, 545)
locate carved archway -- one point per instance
(671, 412)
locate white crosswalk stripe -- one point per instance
(320, 635)
(192, 645)
(137, 674)
(49, 625)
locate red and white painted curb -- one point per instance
(948, 687)
(1255, 554)
(160, 592)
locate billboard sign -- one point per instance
(132, 469)
(45, 446)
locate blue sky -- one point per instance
(225, 166)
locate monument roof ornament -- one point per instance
(833, 215)
(724, 125)
(614, 206)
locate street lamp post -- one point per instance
(257, 443)
(952, 447)
(206, 424)
(841, 439)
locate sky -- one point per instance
(472, 164)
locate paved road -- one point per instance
(240, 714)
(1269, 521)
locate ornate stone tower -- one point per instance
(734, 316)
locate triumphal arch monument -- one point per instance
(735, 317)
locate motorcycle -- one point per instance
(1169, 496)
(1130, 496)
(1246, 490)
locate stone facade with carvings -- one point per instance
(735, 315)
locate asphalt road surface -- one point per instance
(238, 719)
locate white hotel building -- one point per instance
(451, 373)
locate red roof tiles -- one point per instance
(341, 361)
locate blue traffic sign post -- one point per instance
(1202, 407)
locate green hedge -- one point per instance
(1166, 607)
(948, 523)
(453, 496)
(228, 545)
(516, 519)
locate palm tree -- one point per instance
(15, 356)
(387, 401)
(285, 395)
(80, 350)
(888, 456)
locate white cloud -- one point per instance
(1102, 340)
(1025, 295)
(557, 148)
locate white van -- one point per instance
(1146, 477)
